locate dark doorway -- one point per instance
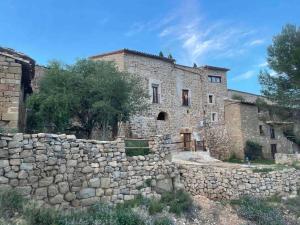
(162, 116)
(273, 150)
(187, 141)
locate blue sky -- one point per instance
(231, 33)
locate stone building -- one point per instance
(182, 99)
(246, 122)
(16, 73)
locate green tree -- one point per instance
(83, 97)
(161, 54)
(170, 56)
(284, 59)
(195, 65)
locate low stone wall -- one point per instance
(289, 159)
(64, 171)
(230, 183)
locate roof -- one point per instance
(133, 52)
(244, 92)
(214, 68)
(16, 55)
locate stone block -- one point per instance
(105, 182)
(4, 163)
(87, 193)
(94, 182)
(63, 187)
(45, 181)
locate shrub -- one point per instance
(253, 150)
(137, 147)
(293, 205)
(234, 159)
(162, 221)
(36, 215)
(238, 97)
(11, 202)
(155, 206)
(125, 216)
(258, 211)
(263, 170)
(178, 201)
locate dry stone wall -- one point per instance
(63, 171)
(289, 159)
(231, 183)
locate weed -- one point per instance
(178, 201)
(163, 221)
(11, 202)
(155, 206)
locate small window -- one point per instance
(155, 95)
(214, 117)
(272, 133)
(185, 97)
(210, 99)
(214, 79)
(162, 116)
(261, 131)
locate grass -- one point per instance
(263, 170)
(136, 147)
(11, 202)
(234, 159)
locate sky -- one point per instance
(233, 33)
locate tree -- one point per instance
(170, 56)
(83, 97)
(161, 54)
(283, 58)
(195, 65)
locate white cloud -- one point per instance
(245, 76)
(264, 64)
(256, 42)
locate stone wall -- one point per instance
(63, 171)
(288, 159)
(10, 89)
(230, 183)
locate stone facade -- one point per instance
(16, 72)
(63, 171)
(231, 183)
(171, 80)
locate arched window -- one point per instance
(162, 116)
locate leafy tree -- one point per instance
(195, 65)
(284, 59)
(161, 54)
(170, 56)
(86, 96)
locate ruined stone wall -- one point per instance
(10, 92)
(289, 159)
(231, 183)
(63, 171)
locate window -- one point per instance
(261, 131)
(155, 95)
(272, 133)
(210, 99)
(214, 117)
(185, 97)
(214, 79)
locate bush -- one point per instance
(137, 147)
(125, 216)
(163, 221)
(238, 97)
(178, 201)
(253, 150)
(11, 202)
(258, 211)
(155, 206)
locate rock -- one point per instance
(3, 180)
(105, 182)
(87, 169)
(52, 190)
(70, 196)
(3, 153)
(87, 193)
(99, 192)
(45, 181)
(15, 162)
(11, 174)
(24, 190)
(164, 185)
(63, 187)
(4, 163)
(26, 153)
(57, 199)
(22, 174)
(71, 163)
(95, 182)
(26, 166)
(90, 201)
(41, 193)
